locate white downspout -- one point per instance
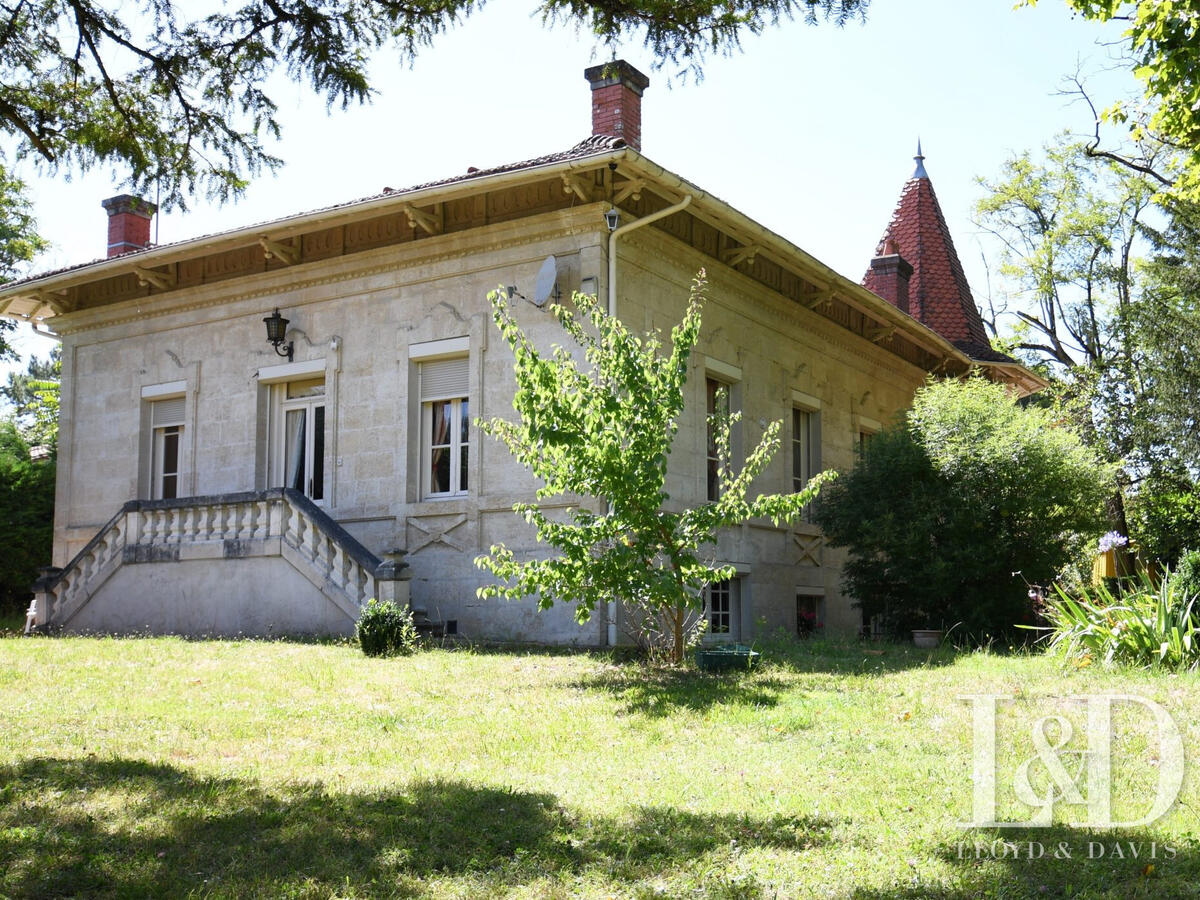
(612, 311)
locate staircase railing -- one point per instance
(275, 522)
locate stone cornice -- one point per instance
(784, 309)
(341, 269)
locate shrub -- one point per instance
(27, 514)
(386, 629)
(1164, 516)
(1185, 580)
(1148, 626)
(945, 512)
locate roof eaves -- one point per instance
(587, 152)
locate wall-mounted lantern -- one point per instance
(276, 332)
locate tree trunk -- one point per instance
(677, 636)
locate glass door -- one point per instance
(300, 456)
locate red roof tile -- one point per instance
(938, 293)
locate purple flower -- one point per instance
(1112, 540)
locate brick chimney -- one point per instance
(128, 223)
(889, 275)
(617, 100)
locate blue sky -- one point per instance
(809, 130)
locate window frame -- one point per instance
(459, 448)
(158, 422)
(160, 431)
(712, 462)
(803, 469)
(814, 599)
(460, 433)
(722, 375)
(731, 596)
(316, 443)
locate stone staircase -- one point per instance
(261, 562)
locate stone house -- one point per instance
(212, 481)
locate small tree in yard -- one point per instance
(604, 434)
(947, 512)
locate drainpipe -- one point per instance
(612, 311)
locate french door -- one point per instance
(300, 438)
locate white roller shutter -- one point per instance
(443, 379)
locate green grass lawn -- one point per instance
(163, 767)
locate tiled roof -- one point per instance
(593, 146)
(982, 352)
(938, 294)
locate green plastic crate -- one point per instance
(729, 657)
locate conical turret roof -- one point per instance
(938, 294)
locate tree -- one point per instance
(34, 396)
(604, 435)
(1163, 45)
(179, 105)
(27, 511)
(946, 512)
(1166, 329)
(1117, 330)
(20, 391)
(19, 241)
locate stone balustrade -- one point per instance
(278, 522)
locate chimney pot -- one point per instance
(617, 89)
(128, 223)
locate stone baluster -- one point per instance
(246, 515)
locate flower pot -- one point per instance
(1105, 566)
(927, 638)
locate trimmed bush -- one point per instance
(386, 629)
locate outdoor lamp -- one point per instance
(612, 217)
(276, 332)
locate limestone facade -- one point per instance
(169, 388)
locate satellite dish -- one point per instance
(546, 286)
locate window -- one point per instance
(166, 423)
(867, 429)
(445, 427)
(300, 439)
(802, 448)
(806, 446)
(810, 613)
(717, 405)
(721, 611)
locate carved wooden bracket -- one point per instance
(572, 185)
(819, 299)
(878, 335)
(419, 218)
(286, 253)
(161, 280)
(629, 189)
(739, 255)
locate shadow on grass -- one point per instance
(660, 691)
(130, 828)
(852, 656)
(1059, 861)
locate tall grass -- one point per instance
(1149, 625)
